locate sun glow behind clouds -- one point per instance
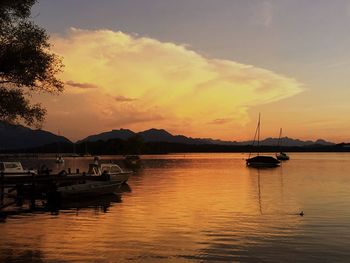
(120, 80)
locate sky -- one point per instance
(201, 68)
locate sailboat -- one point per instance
(86, 154)
(261, 160)
(282, 156)
(59, 158)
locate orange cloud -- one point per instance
(123, 98)
(81, 85)
(162, 85)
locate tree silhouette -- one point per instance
(26, 64)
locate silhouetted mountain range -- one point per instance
(160, 135)
(20, 137)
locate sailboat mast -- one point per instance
(259, 134)
(58, 144)
(255, 135)
(279, 138)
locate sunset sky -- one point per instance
(201, 68)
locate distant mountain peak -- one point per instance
(158, 131)
(122, 134)
(20, 137)
(122, 129)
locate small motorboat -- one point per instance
(282, 156)
(110, 170)
(89, 188)
(110, 177)
(132, 161)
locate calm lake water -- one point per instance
(197, 208)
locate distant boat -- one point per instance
(86, 154)
(261, 160)
(59, 159)
(132, 161)
(282, 156)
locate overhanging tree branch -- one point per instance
(26, 63)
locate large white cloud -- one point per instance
(119, 80)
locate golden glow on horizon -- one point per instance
(125, 81)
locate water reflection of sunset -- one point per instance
(178, 207)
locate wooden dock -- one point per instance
(36, 185)
(31, 178)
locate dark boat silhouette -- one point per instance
(282, 156)
(261, 160)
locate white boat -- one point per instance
(110, 170)
(11, 169)
(111, 175)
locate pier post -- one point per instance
(32, 198)
(2, 190)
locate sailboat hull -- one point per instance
(262, 161)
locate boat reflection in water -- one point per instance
(54, 205)
(102, 203)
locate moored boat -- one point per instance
(89, 188)
(110, 177)
(59, 159)
(132, 161)
(282, 156)
(261, 160)
(109, 170)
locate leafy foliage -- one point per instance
(26, 63)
